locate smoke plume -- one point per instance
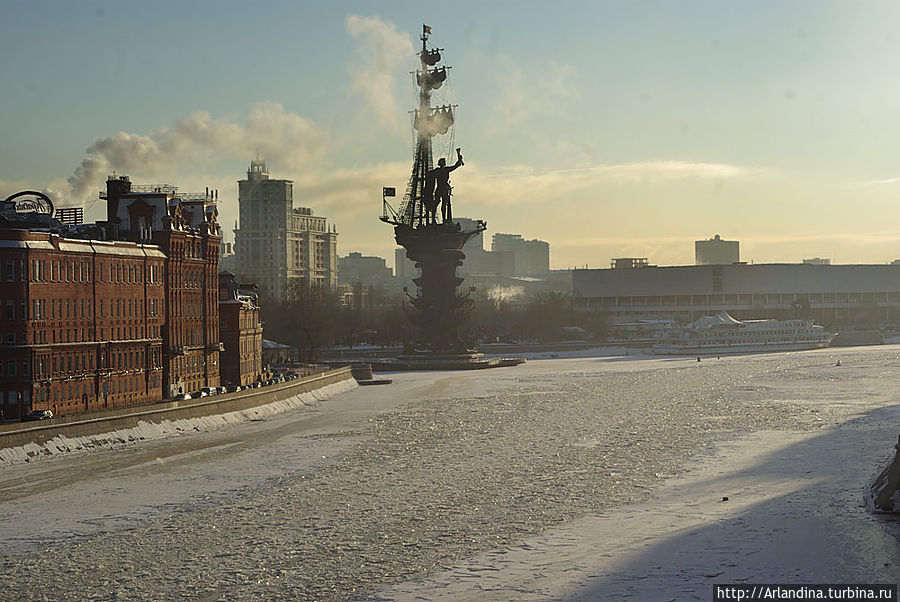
(199, 141)
(382, 55)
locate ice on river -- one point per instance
(586, 477)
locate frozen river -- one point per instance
(593, 477)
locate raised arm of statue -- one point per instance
(459, 160)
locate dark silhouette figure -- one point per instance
(440, 177)
(428, 198)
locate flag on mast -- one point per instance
(426, 28)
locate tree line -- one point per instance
(316, 318)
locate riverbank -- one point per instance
(25, 441)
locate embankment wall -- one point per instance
(81, 425)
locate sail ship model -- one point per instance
(434, 242)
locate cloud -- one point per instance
(885, 182)
(521, 184)
(546, 88)
(651, 170)
(11, 187)
(383, 54)
(349, 192)
(200, 140)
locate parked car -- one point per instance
(37, 415)
(209, 391)
(199, 394)
(183, 397)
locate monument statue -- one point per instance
(435, 246)
(437, 186)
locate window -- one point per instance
(11, 368)
(11, 338)
(10, 270)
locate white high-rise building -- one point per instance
(278, 246)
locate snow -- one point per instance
(285, 487)
(145, 431)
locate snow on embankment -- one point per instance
(156, 430)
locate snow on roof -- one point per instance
(267, 344)
(722, 319)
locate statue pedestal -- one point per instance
(427, 360)
(439, 310)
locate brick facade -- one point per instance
(81, 323)
(121, 312)
(241, 332)
(184, 227)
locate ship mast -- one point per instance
(428, 122)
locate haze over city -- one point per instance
(606, 129)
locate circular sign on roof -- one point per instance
(34, 202)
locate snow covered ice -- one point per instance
(586, 477)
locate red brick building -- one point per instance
(241, 332)
(120, 312)
(80, 323)
(185, 229)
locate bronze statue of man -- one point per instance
(440, 175)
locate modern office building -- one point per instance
(716, 251)
(277, 245)
(530, 256)
(364, 269)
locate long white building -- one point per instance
(833, 295)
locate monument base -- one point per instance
(428, 360)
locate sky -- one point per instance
(608, 129)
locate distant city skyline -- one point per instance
(607, 129)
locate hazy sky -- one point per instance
(609, 129)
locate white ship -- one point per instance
(723, 334)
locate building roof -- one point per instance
(267, 344)
(741, 279)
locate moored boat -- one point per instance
(723, 334)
